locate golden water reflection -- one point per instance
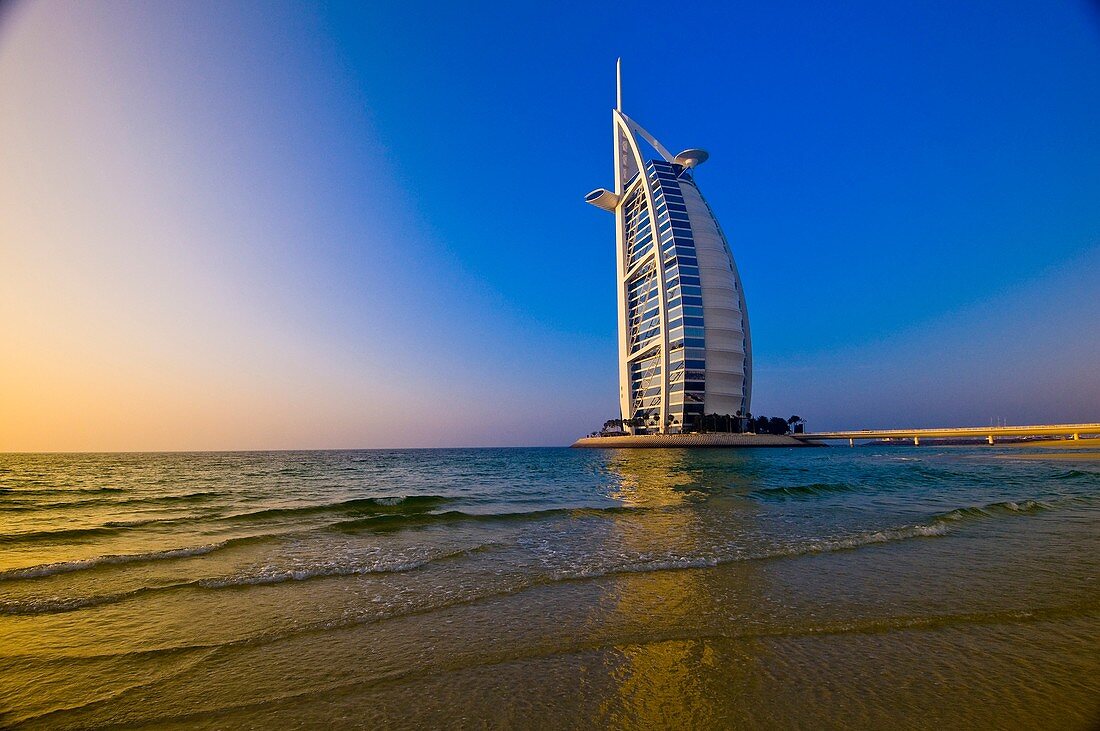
(674, 669)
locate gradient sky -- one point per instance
(295, 225)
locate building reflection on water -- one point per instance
(676, 662)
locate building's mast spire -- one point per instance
(619, 84)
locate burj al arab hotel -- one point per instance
(684, 347)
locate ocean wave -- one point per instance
(110, 528)
(992, 510)
(934, 473)
(386, 522)
(357, 506)
(142, 522)
(265, 575)
(641, 567)
(817, 488)
(60, 605)
(187, 497)
(64, 533)
(113, 503)
(394, 522)
(869, 538)
(389, 565)
(64, 567)
(855, 541)
(1077, 475)
(392, 504)
(809, 547)
(19, 491)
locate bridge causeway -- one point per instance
(989, 433)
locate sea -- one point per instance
(876, 587)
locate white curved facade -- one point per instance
(684, 346)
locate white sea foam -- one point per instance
(864, 539)
(645, 564)
(270, 574)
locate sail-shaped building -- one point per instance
(684, 347)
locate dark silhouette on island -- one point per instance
(709, 424)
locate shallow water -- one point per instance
(816, 588)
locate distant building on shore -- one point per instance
(684, 347)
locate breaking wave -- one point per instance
(262, 576)
(809, 547)
(64, 567)
(993, 510)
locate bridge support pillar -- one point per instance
(990, 438)
(1076, 437)
(851, 442)
(916, 441)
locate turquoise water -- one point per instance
(871, 587)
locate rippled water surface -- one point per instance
(816, 588)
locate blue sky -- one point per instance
(336, 225)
